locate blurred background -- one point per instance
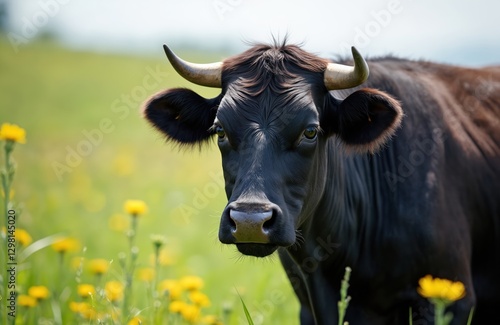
(461, 32)
(74, 74)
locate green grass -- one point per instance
(57, 95)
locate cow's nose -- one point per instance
(250, 227)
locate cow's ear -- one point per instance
(182, 115)
(367, 119)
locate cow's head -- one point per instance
(272, 122)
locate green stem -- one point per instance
(7, 176)
(439, 308)
(56, 299)
(344, 299)
(129, 271)
(154, 284)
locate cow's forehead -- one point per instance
(239, 107)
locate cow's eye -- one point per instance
(311, 132)
(220, 132)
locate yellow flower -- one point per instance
(171, 288)
(136, 320)
(66, 245)
(440, 289)
(135, 207)
(98, 266)
(191, 313)
(113, 290)
(176, 306)
(85, 310)
(12, 132)
(38, 292)
(211, 320)
(146, 274)
(191, 282)
(85, 290)
(199, 299)
(23, 237)
(26, 301)
(79, 307)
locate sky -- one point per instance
(461, 32)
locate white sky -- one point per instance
(455, 31)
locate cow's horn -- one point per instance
(208, 74)
(338, 76)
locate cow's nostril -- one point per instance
(232, 222)
(268, 224)
(249, 218)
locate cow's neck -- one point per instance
(349, 212)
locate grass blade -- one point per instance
(245, 309)
(38, 245)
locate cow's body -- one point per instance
(426, 202)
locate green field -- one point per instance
(88, 150)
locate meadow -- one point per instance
(87, 152)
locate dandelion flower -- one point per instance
(171, 288)
(12, 132)
(211, 320)
(79, 307)
(39, 292)
(191, 282)
(98, 266)
(113, 290)
(136, 320)
(22, 237)
(135, 207)
(85, 290)
(199, 299)
(442, 289)
(191, 313)
(89, 313)
(146, 274)
(66, 245)
(26, 301)
(176, 306)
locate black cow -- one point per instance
(330, 175)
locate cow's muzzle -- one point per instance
(250, 227)
(243, 223)
(257, 229)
